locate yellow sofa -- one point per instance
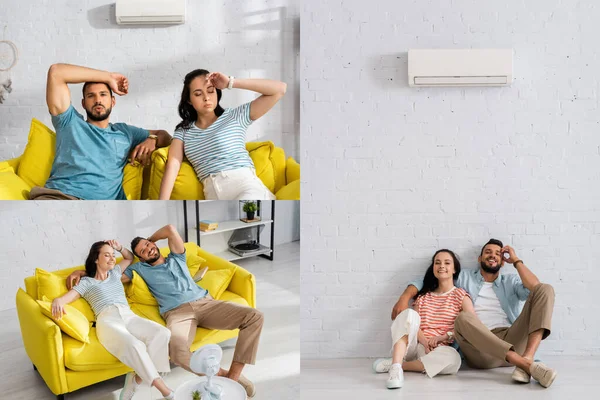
(67, 364)
(32, 168)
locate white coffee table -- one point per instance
(231, 389)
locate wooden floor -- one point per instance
(276, 373)
(343, 379)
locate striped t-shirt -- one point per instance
(101, 294)
(439, 310)
(221, 146)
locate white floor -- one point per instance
(277, 370)
(578, 378)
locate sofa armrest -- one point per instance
(43, 343)
(243, 283)
(11, 165)
(291, 191)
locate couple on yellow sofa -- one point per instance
(145, 345)
(91, 154)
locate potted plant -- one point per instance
(250, 208)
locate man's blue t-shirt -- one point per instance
(171, 282)
(89, 161)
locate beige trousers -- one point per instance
(42, 193)
(485, 349)
(213, 314)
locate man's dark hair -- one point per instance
(134, 243)
(85, 85)
(492, 241)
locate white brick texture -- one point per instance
(247, 39)
(392, 173)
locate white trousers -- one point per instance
(443, 360)
(236, 184)
(139, 343)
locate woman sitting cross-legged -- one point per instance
(422, 336)
(141, 344)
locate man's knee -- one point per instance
(544, 289)
(463, 319)
(258, 317)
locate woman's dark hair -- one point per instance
(430, 282)
(90, 262)
(186, 111)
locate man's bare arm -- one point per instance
(174, 239)
(404, 300)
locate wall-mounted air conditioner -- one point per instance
(460, 67)
(150, 12)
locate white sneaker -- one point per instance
(130, 387)
(396, 379)
(542, 373)
(382, 365)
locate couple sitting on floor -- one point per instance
(144, 345)
(480, 316)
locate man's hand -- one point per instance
(218, 80)
(118, 83)
(143, 152)
(512, 256)
(74, 278)
(396, 310)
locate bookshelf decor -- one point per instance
(249, 211)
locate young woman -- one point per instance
(422, 336)
(137, 342)
(214, 139)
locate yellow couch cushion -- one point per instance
(38, 156)
(148, 312)
(12, 187)
(53, 286)
(292, 170)
(186, 187)
(133, 179)
(87, 356)
(216, 281)
(138, 292)
(269, 162)
(73, 322)
(290, 191)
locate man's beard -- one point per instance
(99, 117)
(153, 259)
(490, 270)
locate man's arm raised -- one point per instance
(174, 239)
(58, 96)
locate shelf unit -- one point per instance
(230, 226)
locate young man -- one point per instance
(500, 334)
(185, 305)
(91, 154)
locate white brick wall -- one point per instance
(394, 173)
(247, 39)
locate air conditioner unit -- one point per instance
(150, 12)
(460, 67)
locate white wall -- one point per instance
(247, 39)
(395, 173)
(54, 235)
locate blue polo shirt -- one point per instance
(170, 283)
(89, 161)
(509, 289)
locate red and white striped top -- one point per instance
(439, 310)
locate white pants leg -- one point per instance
(236, 184)
(443, 360)
(136, 342)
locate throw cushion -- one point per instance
(53, 286)
(38, 156)
(73, 322)
(216, 281)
